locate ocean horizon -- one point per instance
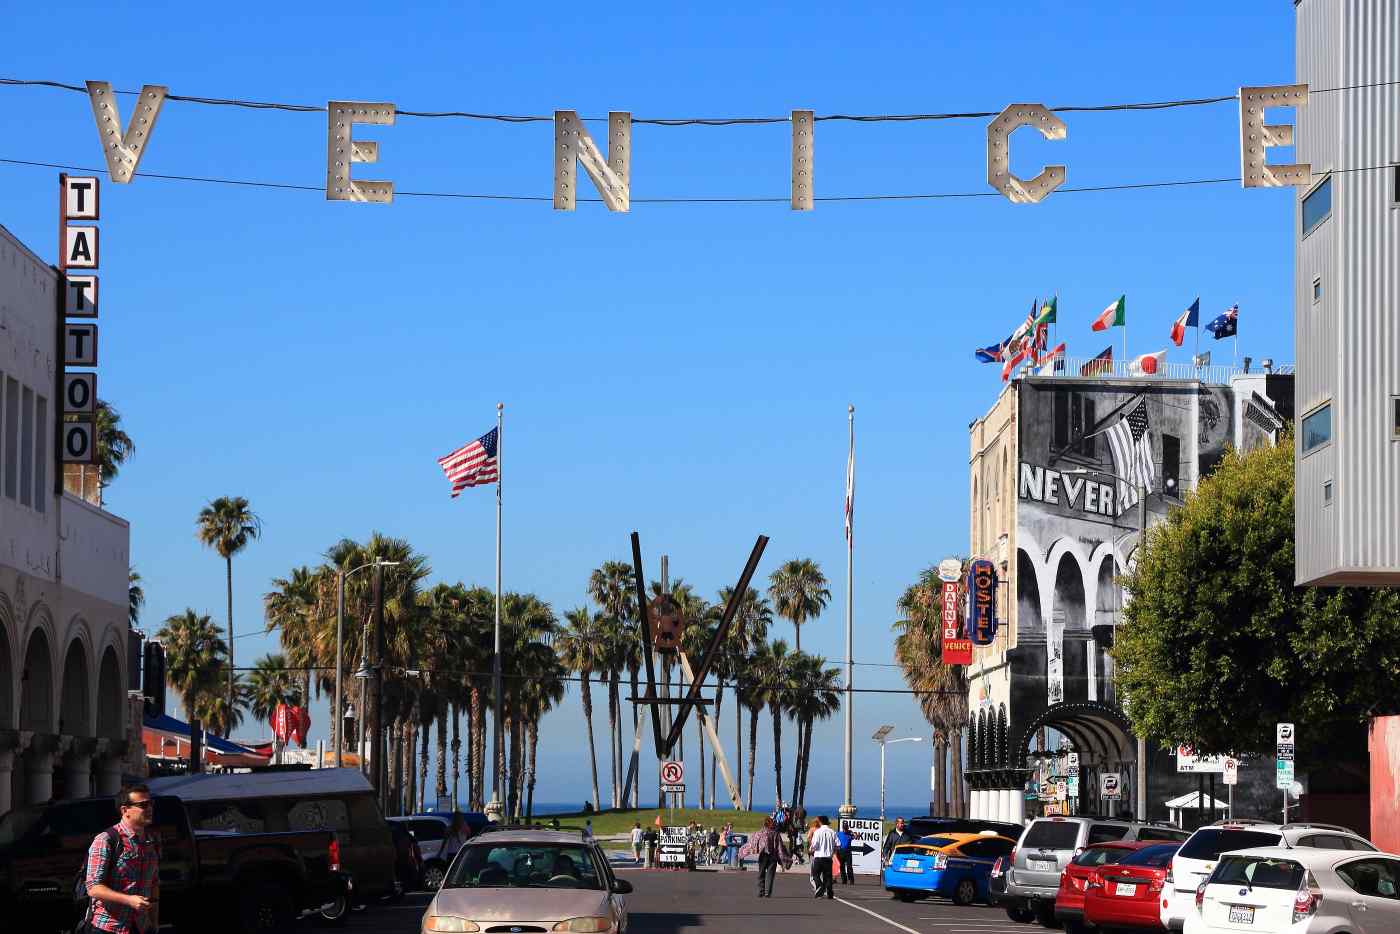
(862, 810)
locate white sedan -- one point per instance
(529, 882)
(1278, 890)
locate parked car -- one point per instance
(1047, 846)
(1197, 858)
(934, 826)
(429, 833)
(339, 800)
(262, 880)
(530, 880)
(408, 860)
(1124, 894)
(1069, 899)
(954, 865)
(1299, 891)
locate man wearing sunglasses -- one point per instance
(123, 891)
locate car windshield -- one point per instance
(1098, 855)
(16, 824)
(935, 841)
(523, 865)
(1258, 872)
(1051, 835)
(1160, 855)
(1210, 842)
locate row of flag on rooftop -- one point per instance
(1029, 342)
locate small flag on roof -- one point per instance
(1190, 318)
(1114, 316)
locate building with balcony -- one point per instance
(1065, 470)
(66, 717)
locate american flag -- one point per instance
(1131, 446)
(850, 494)
(472, 464)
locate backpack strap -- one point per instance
(112, 841)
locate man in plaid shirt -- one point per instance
(121, 876)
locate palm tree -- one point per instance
(114, 446)
(695, 639)
(581, 651)
(818, 697)
(291, 607)
(775, 678)
(227, 525)
(135, 597)
(748, 689)
(748, 629)
(610, 586)
(194, 657)
(798, 591)
(270, 685)
(613, 649)
(543, 688)
(216, 714)
(941, 690)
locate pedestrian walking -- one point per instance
(806, 839)
(588, 830)
(637, 842)
(121, 876)
(843, 856)
(652, 838)
(893, 839)
(823, 848)
(771, 850)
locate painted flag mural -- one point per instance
(1114, 316)
(1226, 325)
(1190, 318)
(1130, 443)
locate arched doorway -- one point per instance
(1028, 618)
(1104, 739)
(1067, 635)
(33, 782)
(111, 700)
(75, 709)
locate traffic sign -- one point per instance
(1283, 775)
(1232, 772)
(865, 844)
(672, 788)
(1110, 785)
(1061, 791)
(671, 846)
(672, 773)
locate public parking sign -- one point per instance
(671, 846)
(865, 844)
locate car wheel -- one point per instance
(1045, 914)
(1020, 915)
(334, 913)
(965, 893)
(433, 876)
(905, 896)
(266, 909)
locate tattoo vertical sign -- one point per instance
(76, 436)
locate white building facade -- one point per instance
(1347, 294)
(65, 715)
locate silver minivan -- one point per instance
(1046, 847)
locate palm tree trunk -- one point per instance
(517, 754)
(797, 635)
(612, 736)
(700, 743)
(442, 751)
(797, 762)
(395, 768)
(777, 752)
(456, 754)
(476, 746)
(228, 567)
(424, 746)
(936, 743)
(956, 744)
(620, 794)
(753, 752)
(588, 719)
(806, 763)
(530, 774)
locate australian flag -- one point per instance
(1226, 325)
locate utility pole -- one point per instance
(1141, 783)
(377, 738)
(337, 717)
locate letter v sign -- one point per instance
(124, 149)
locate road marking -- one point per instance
(875, 914)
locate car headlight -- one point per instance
(588, 925)
(449, 924)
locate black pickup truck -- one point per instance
(209, 881)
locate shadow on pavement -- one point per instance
(662, 922)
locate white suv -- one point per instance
(1197, 858)
(1283, 890)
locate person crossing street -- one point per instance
(771, 849)
(843, 855)
(823, 848)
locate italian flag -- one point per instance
(1114, 316)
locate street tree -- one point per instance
(799, 593)
(1217, 643)
(227, 525)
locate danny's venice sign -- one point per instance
(957, 648)
(982, 601)
(611, 174)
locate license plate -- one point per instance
(1125, 888)
(1045, 864)
(1240, 914)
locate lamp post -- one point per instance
(339, 640)
(1140, 785)
(879, 737)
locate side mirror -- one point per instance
(621, 887)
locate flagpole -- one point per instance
(848, 807)
(498, 747)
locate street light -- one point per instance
(339, 626)
(879, 737)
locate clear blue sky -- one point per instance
(683, 370)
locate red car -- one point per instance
(1069, 900)
(1125, 893)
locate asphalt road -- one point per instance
(674, 902)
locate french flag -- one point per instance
(1190, 318)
